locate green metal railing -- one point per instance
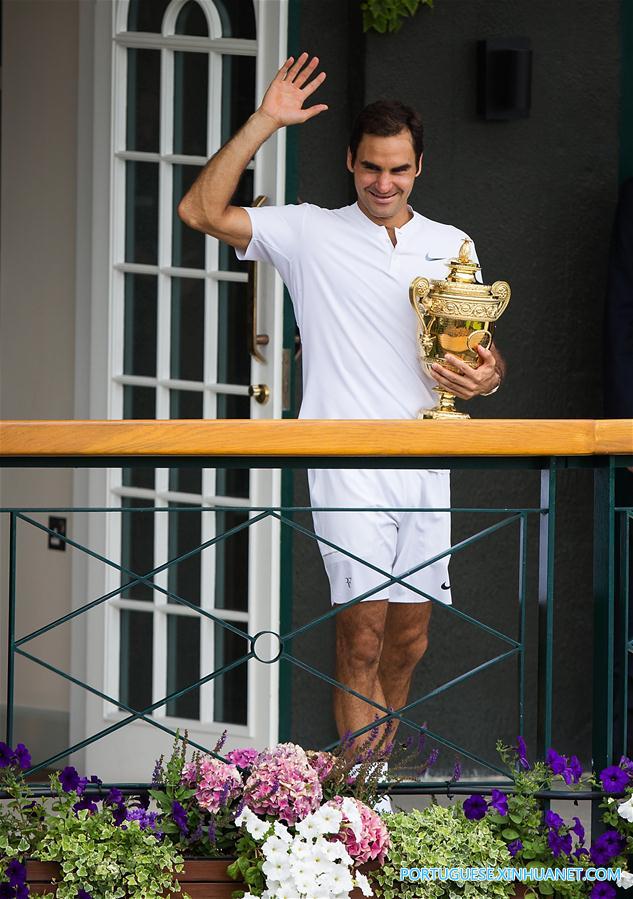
(606, 553)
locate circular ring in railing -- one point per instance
(270, 643)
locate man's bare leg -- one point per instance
(405, 642)
(359, 642)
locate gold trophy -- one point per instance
(456, 316)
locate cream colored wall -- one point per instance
(37, 314)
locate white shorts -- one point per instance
(394, 541)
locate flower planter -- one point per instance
(202, 879)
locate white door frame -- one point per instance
(95, 257)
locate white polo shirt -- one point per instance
(350, 290)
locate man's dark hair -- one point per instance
(386, 118)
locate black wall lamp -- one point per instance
(504, 78)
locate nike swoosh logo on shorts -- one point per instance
(446, 586)
(434, 258)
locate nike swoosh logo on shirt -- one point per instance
(446, 586)
(434, 258)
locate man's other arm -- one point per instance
(207, 205)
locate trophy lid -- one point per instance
(463, 269)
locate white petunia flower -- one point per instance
(282, 832)
(363, 883)
(625, 810)
(329, 819)
(309, 828)
(350, 810)
(276, 870)
(625, 880)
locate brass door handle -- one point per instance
(260, 393)
(255, 340)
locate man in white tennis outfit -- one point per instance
(348, 272)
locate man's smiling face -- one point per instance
(384, 172)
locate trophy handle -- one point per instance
(500, 290)
(484, 339)
(418, 292)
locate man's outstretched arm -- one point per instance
(207, 205)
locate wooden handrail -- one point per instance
(221, 438)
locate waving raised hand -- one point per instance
(289, 90)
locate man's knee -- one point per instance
(359, 642)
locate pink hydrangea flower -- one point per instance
(322, 762)
(374, 838)
(217, 783)
(283, 784)
(242, 758)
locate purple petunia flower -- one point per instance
(514, 847)
(614, 779)
(6, 891)
(602, 891)
(522, 753)
(69, 779)
(15, 873)
(627, 765)
(556, 762)
(119, 814)
(576, 768)
(579, 830)
(559, 844)
(82, 894)
(7, 756)
(179, 816)
(22, 756)
(475, 807)
(114, 797)
(22, 891)
(553, 820)
(499, 802)
(605, 847)
(85, 803)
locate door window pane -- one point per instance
(230, 689)
(238, 92)
(231, 563)
(187, 245)
(143, 100)
(232, 482)
(191, 88)
(185, 404)
(139, 342)
(146, 15)
(136, 659)
(238, 18)
(191, 20)
(183, 579)
(231, 406)
(186, 480)
(139, 402)
(234, 361)
(141, 212)
(187, 329)
(137, 547)
(183, 665)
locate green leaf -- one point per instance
(510, 834)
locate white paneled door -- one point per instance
(180, 77)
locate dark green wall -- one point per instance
(538, 197)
